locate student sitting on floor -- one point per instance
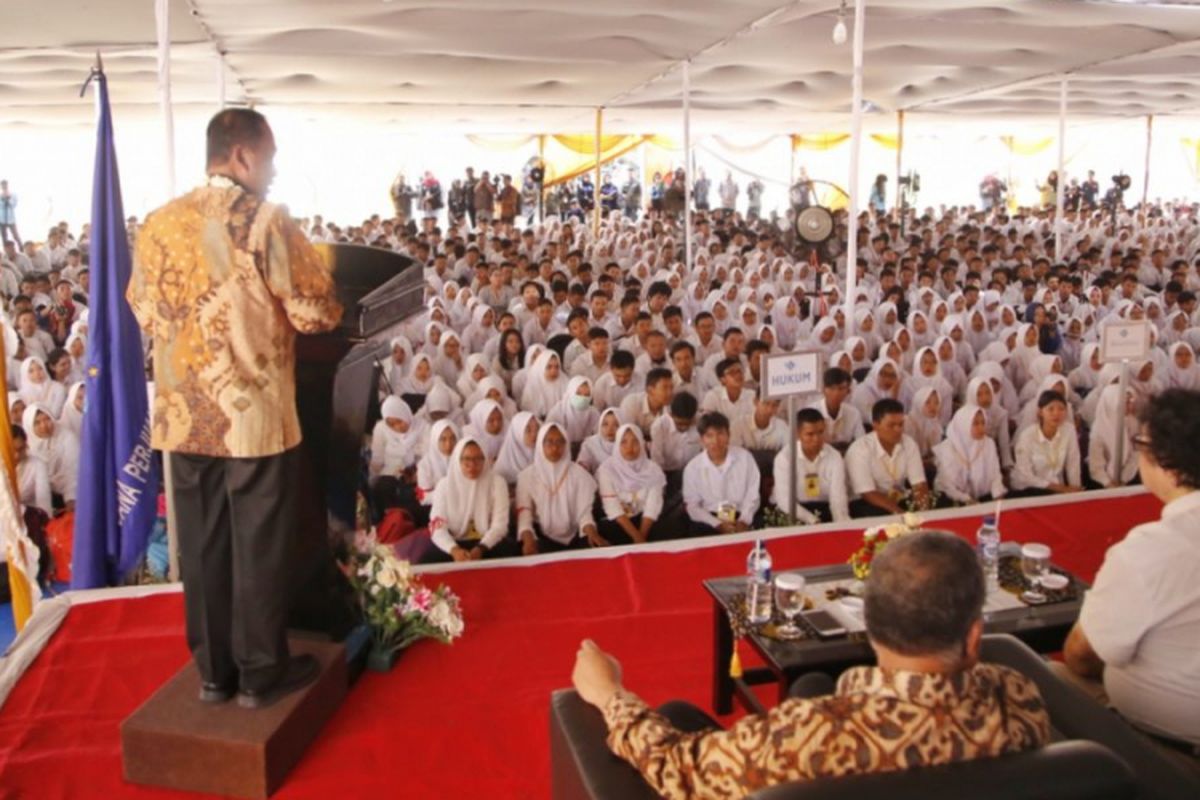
(721, 484)
(844, 423)
(554, 499)
(631, 490)
(820, 474)
(968, 467)
(1048, 459)
(884, 466)
(469, 517)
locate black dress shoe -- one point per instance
(217, 692)
(300, 671)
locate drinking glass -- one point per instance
(789, 599)
(1035, 562)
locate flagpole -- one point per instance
(162, 17)
(22, 572)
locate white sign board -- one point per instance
(790, 374)
(1125, 341)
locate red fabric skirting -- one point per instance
(449, 722)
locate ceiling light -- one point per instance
(839, 30)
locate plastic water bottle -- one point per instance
(758, 584)
(987, 545)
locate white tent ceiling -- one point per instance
(542, 65)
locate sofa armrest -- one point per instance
(1078, 716)
(581, 765)
(1062, 771)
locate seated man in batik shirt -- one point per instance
(928, 702)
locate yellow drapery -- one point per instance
(889, 141)
(1026, 147)
(818, 141)
(565, 162)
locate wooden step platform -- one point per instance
(175, 741)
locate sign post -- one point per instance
(788, 376)
(1123, 342)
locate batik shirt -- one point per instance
(222, 281)
(876, 721)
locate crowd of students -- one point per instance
(567, 389)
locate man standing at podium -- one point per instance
(222, 282)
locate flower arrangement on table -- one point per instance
(877, 538)
(398, 609)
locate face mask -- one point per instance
(579, 402)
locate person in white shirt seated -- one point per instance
(721, 484)
(683, 362)
(654, 356)
(1140, 622)
(1103, 468)
(555, 497)
(594, 362)
(843, 421)
(33, 476)
(762, 431)
(435, 463)
(731, 399)
(968, 467)
(884, 467)
(469, 517)
(674, 441)
(397, 443)
(643, 408)
(576, 413)
(1047, 453)
(58, 449)
(631, 491)
(611, 388)
(820, 474)
(599, 446)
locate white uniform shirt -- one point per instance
(1142, 617)
(746, 433)
(1041, 461)
(706, 486)
(871, 469)
(671, 449)
(819, 481)
(846, 428)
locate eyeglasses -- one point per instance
(1141, 442)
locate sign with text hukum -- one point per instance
(790, 374)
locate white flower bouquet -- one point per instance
(397, 607)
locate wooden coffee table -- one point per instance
(1043, 627)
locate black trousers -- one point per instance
(237, 539)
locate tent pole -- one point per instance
(899, 154)
(1149, 143)
(855, 145)
(162, 17)
(596, 178)
(1062, 171)
(541, 142)
(687, 165)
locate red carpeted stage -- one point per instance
(469, 720)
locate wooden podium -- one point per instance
(175, 741)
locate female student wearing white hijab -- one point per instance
(927, 372)
(400, 362)
(57, 447)
(33, 476)
(599, 446)
(72, 413)
(575, 412)
(1047, 453)
(517, 451)
(923, 424)
(555, 498)
(449, 364)
(1102, 440)
(1182, 371)
(469, 517)
(433, 466)
(396, 444)
(631, 490)
(967, 462)
(487, 427)
(417, 382)
(1083, 379)
(544, 386)
(37, 387)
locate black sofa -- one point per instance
(1095, 756)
